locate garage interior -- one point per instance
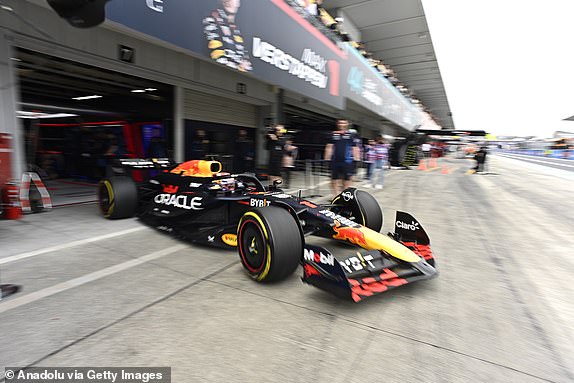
(76, 118)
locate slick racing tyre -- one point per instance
(362, 207)
(269, 243)
(117, 197)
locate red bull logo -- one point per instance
(350, 234)
(198, 168)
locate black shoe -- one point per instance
(7, 290)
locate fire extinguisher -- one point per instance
(11, 201)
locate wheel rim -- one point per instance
(252, 246)
(105, 200)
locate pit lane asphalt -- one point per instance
(116, 293)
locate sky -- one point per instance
(507, 65)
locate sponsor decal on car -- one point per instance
(179, 201)
(259, 202)
(229, 239)
(171, 189)
(312, 256)
(414, 226)
(343, 220)
(357, 263)
(350, 234)
(347, 196)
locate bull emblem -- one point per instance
(350, 234)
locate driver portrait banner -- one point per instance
(266, 38)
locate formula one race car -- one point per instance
(196, 201)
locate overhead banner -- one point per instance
(267, 38)
(367, 87)
(270, 40)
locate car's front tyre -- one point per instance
(269, 243)
(360, 205)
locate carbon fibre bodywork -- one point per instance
(205, 206)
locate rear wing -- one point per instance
(125, 166)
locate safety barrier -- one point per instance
(567, 154)
(27, 179)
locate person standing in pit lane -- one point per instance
(275, 145)
(381, 155)
(224, 40)
(342, 151)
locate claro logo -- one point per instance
(408, 226)
(179, 201)
(156, 5)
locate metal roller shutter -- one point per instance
(200, 106)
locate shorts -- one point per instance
(341, 171)
(275, 168)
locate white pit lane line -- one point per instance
(68, 245)
(76, 282)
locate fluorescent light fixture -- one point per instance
(15, 59)
(151, 89)
(34, 115)
(138, 91)
(87, 97)
(423, 35)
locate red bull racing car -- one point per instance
(268, 227)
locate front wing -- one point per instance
(364, 274)
(369, 272)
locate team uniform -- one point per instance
(224, 40)
(342, 159)
(276, 152)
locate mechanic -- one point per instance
(243, 153)
(224, 39)
(289, 157)
(342, 152)
(275, 145)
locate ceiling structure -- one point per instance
(50, 83)
(396, 32)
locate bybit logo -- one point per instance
(156, 5)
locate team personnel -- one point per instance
(224, 40)
(276, 146)
(343, 152)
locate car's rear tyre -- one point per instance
(363, 207)
(117, 197)
(269, 243)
